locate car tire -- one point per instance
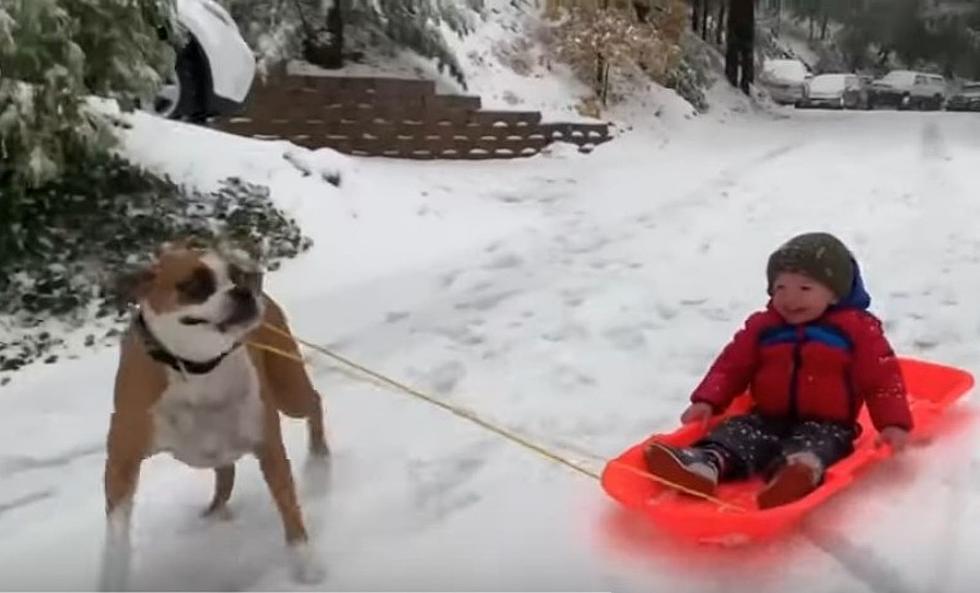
(183, 97)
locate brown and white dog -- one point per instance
(190, 384)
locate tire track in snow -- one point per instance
(858, 561)
(27, 499)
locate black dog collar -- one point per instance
(159, 353)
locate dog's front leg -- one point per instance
(278, 476)
(120, 487)
(125, 454)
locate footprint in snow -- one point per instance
(625, 338)
(463, 336)
(666, 312)
(447, 280)
(570, 377)
(693, 302)
(565, 332)
(485, 303)
(445, 377)
(715, 314)
(504, 261)
(396, 316)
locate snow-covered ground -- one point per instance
(576, 299)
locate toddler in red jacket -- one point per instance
(811, 360)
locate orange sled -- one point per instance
(734, 517)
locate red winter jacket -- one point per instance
(824, 370)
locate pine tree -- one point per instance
(318, 30)
(55, 53)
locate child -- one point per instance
(811, 360)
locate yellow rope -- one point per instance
(301, 360)
(468, 415)
(723, 504)
(278, 351)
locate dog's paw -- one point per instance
(319, 450)
(307, 568)
(221, 514)
(317, 476)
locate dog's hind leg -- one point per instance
(224, 481)
(318, 438)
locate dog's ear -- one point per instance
(131, 287)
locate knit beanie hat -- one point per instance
(820, 256)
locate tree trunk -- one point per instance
(883, 54)
(720, 25)
(600, 68)
(823, 26)
(705, 9)
(323, 40)
(696, 15)
(779, 16)
(335, 27)
(602, 81)
(642, 11)
(811, 27)
(740, 52)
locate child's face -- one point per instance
(800, 299)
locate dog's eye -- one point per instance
(199, 287)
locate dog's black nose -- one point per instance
(241, 294)
(245, 305)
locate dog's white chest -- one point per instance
(211, 420)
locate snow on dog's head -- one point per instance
(199, 302)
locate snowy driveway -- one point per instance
(574, 299)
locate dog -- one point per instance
(191, 383)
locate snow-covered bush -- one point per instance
(53, 53)
(73, 212)
(106, 219)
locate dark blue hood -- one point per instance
(858, 298)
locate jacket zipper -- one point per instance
(795, 374)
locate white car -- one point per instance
(784, 79)
(836, 91)
(906, 89)
(214, 70)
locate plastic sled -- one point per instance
(735, 518)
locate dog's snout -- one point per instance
(241, 294)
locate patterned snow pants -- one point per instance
(753, 443)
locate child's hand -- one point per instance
(697, 412)
(897, 438)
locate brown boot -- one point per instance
(800, 476)
(688, 467)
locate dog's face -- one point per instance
(198, 303)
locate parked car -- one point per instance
(784, 79)
(215, 68)
(906, 89)
(965, 99)
(837, 91)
